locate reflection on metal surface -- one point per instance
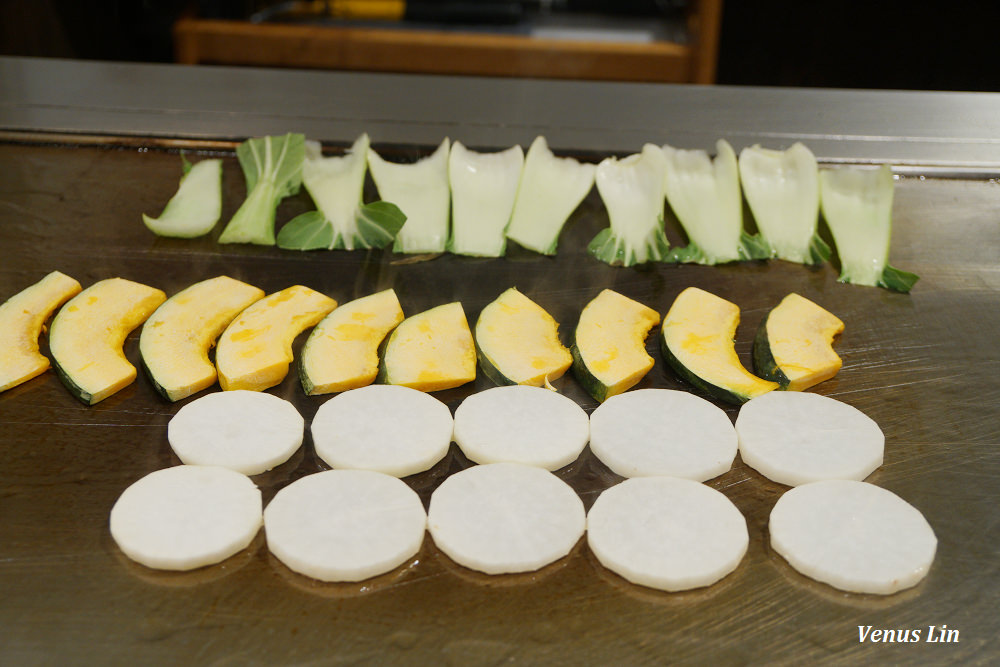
(48, 94)
(854, 600)
(345, 589)
(503, 580)
(281, 475)
(190, 578)
(678, 599)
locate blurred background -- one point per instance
(892, 45)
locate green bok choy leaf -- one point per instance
(336, 185)
(272, 167)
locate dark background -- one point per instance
(919, 46)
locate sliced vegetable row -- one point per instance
(471, 203)
(368, 340)
(510, 513)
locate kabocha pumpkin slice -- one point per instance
(517, 342)
(342, 351)
(794, 344)
(88, 333)
(256, 348)
(609, 351)
(22, 318)
(697, 342)
(430, 351)
(175, 340)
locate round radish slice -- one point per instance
(654, 432)
(852, 535)
(667, 533)
(185, 517)
(345, 525)
(386, 428)
(521, 424)
(794, 438)
(505, 517)
(247, 431)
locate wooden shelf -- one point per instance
(376, 49)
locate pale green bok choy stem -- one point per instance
(782, 190)
(857, 207)
(632, 190)
(272, 167)
(197, 204)
(705, 196)
(421, 191)
(483, 188)
(336, 184)
(550, 190)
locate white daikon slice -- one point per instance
(247, 431)
(667, 533)
(387, 428)
(505, 517)
(651, 432)
(186, 517)
(794, 437)
(345, 525)
(852, 535)
(521, 424)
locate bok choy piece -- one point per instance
(632, 190)
(550, 190)
(857, 207)
(782, 189)
(336, 185)
(705, 196)
(421, 191)
(272, 167)
(483, 187)
(196, 206)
